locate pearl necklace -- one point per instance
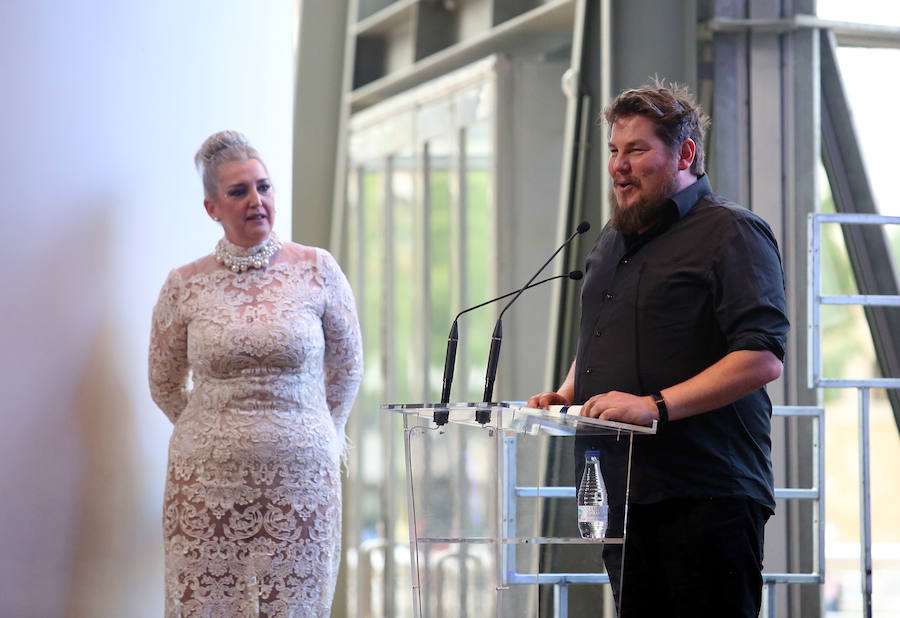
(239, 259)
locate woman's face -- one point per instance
(244, 202)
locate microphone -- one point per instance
(453, 338)
(497, 336)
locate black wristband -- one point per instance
(663, 411)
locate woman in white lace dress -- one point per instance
(255, 356)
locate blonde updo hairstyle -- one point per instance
(219, 148)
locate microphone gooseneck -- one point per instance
(453, 337)
(494, 357)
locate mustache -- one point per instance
(627, 180)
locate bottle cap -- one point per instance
(592, 454)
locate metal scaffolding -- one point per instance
(816, 380)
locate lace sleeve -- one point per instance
(168, 350)
(343, 343)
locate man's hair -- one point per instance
(673, 111)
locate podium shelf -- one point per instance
(514, 416)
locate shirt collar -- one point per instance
(676, 207)
(686, 198)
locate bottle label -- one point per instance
(592, 513)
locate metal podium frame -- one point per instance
(505, 421)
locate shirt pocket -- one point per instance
(675, 331)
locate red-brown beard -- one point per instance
(642, 214)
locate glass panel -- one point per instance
(406, 296)
(369, 470)
(479, 525)
(438, 153)
(458, 561)
(475, 103)
(479, 204)
(379, 137)
(406, 372)
(435, 120)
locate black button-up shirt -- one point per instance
(659, 308)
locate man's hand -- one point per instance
(543, 401)
(563, 396)
(622, 407)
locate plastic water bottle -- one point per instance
(593, 505)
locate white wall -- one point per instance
(102, 106)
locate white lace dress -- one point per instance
(257, 371)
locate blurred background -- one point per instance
(440, 149)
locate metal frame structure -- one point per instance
(817, 380)
(816, 494)
(561, 581)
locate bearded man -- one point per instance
(683, 321)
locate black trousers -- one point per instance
(693, 557)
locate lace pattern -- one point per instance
(258, 371)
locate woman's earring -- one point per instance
(215, 219)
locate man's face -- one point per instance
(644, 173)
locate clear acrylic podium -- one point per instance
(492, 510)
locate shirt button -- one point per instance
(625, 260)
(588, 370)
(608, 296)
(597, 333)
